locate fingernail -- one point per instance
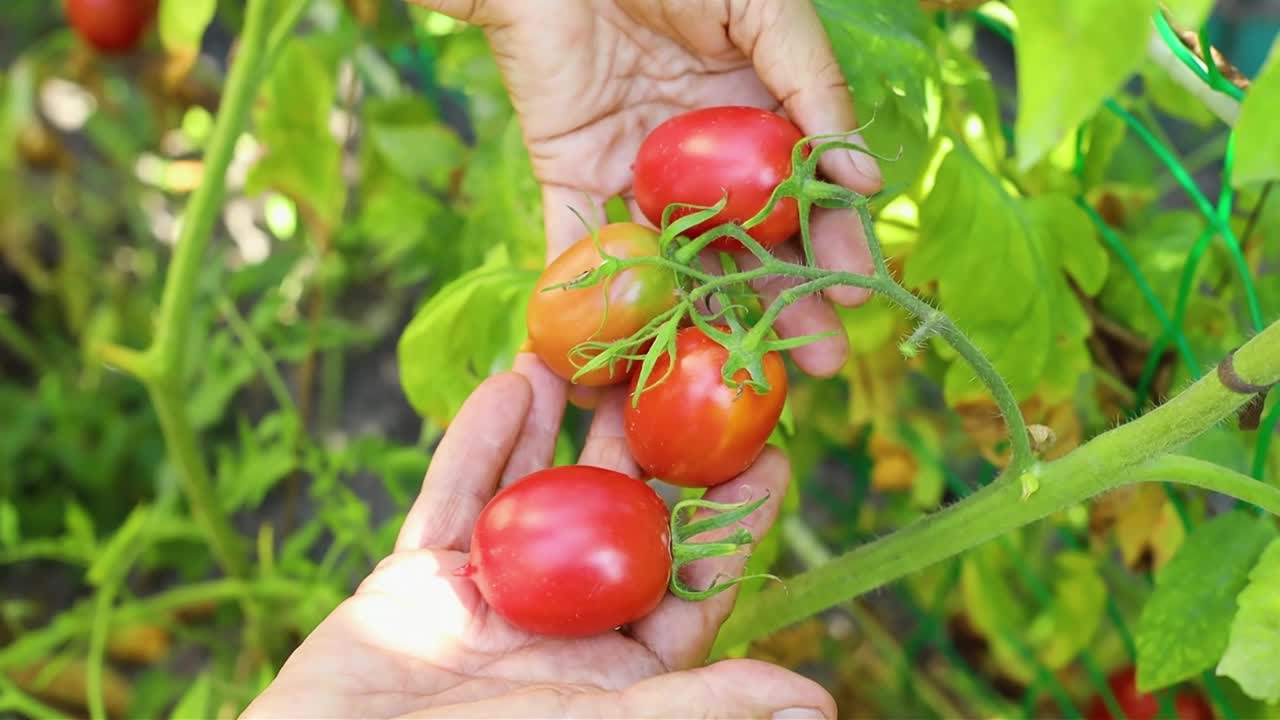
(799, 713)
(864, 164)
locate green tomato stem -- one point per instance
(1131, 453)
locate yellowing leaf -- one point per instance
(1257, 143)
(1252, 658)
(1070, 56)
(1068, 624)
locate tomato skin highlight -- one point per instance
(699, 156)
(1145, 706)
(112, 27)
(572, 551)
(692, 429)
(612, 309)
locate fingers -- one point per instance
(793, 56)
(726, 689)
(840, 243)
(465, 467)
(536, 445)
(563, 226)
(680, 632)
(729, 689)
(807, 316)
(606, 444)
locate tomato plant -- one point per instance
(559, 319)
(700, 156)
(111, 26)
(692, 429)
(572, 551)
(1146, 706)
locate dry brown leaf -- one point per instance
(983, 423)
(67, 685)
(1145, 524)
(138, 643)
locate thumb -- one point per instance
(793, 56)
(726, 689)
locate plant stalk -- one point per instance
(1130, 453)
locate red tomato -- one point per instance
(699, 156)
(610, 310)
(692, 429)
(111, 26)
(1146, 706)
(572, 551)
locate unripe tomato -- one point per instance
(1136, 705)
(692, 429)
(612, 309)
(111, 26)
(699, 156)
(572, 551)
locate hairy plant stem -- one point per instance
(1131, 453)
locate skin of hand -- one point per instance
(416, 641)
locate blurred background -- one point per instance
(382, 164)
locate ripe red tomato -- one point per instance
(111, 26)
(1187, 704)
(613, 309)
(572, 551)
(699, 156)
(692, 429)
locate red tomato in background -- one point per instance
(572, 551)
(111, 26)
(692, 429)
(1142, 706)
(699, 156)
(613, 309)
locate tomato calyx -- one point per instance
(685, 551)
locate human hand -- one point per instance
(417, 641)
(591, 78)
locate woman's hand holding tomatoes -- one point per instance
(593, 79)
(418, 638)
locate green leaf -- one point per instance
(1185, 625)
(1171, 97)
(1257, 143)
(968, 225)
(1105, 134)
(471, 328)
(993, 606)
(80, 533)
(1069, 623)
(197, 701)
(118, 550)
(1188, 13)
(1070, 57)
(265, 456)
(887, 56)
(182, 23)
(302, 158)
(505, 202)
(1253, 648)
(409, 136)
(10, 528)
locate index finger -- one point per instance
(464, 471)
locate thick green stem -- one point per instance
(1127, 454)
(196, 484)
(197, 223)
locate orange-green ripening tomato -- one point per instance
(611, 309)
(692, 429)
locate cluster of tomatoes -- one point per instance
(1137, 705)
(578, 550)
(111, 27)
